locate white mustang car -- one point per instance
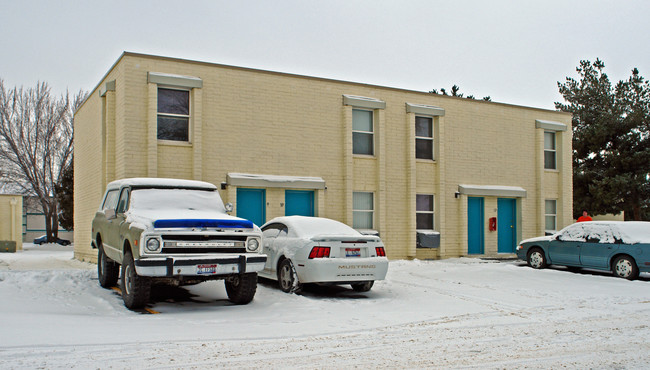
(319, 250)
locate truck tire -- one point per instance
(241, 288)
(135, 289)
(107, 270)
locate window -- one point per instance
(173, 114)
(123, 204)
(549, 150)
(424, 212)
(362, 132)
(424, 137)
(362, 210)
(111, 200)
(550, 215)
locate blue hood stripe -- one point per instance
(220, 224)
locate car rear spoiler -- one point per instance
(345, 238)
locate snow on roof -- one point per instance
(629, 232)
(492, 190)
(308, 227)
(249, 179)
(161, 182)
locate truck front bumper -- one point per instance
(200, 266)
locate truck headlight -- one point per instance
(252, 244)
(152, 245)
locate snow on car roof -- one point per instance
(635, 231)
(308, 227)
(161, 182)
(629, 232)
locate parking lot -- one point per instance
(450, 313)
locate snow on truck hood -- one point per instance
(181, 208)
(179, 218)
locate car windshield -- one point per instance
(181, 199)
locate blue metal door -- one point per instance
(506, 225)
(298, 203)
(251, 205)
(475, 234)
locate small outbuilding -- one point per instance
(11, 222)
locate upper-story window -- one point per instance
(550, 151)
(362, 132)
(173, 114)
(423, 137)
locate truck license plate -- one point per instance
(206, 269)
(352, 252)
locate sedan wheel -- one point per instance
(536, 259)
(363, 287)
(287, 277)
(625, 267)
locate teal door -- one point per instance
(506, 225)
(298, 203)
(251, 205)
(475, 234)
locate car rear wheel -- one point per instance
(287, 277)
(625, 267)
(135, 288)
(241, 288)
(107, 270)
(536, 258)
(363, 287)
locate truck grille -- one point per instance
(198, 244)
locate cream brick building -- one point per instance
(390, 160)
(11, 222)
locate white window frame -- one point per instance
(372, 133)
(371, 212)
(428, 138)
(551, 150)
(554, 215)
(431, 212)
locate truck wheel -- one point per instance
(107, 270)
(135, 288)
(363, 287)
(241, 288)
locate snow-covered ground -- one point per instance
(457, 313)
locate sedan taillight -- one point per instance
(381, 252)
(319, 252)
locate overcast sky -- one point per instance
(513, 51)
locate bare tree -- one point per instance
(36, 144)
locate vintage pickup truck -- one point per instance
(175, 232)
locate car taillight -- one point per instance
(381, 252)
(319, 252)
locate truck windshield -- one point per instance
(181, 199)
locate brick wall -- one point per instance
(278, 124)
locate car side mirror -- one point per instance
(110, 214)
(229, 207)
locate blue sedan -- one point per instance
(622, 247)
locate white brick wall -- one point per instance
(269, 123)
